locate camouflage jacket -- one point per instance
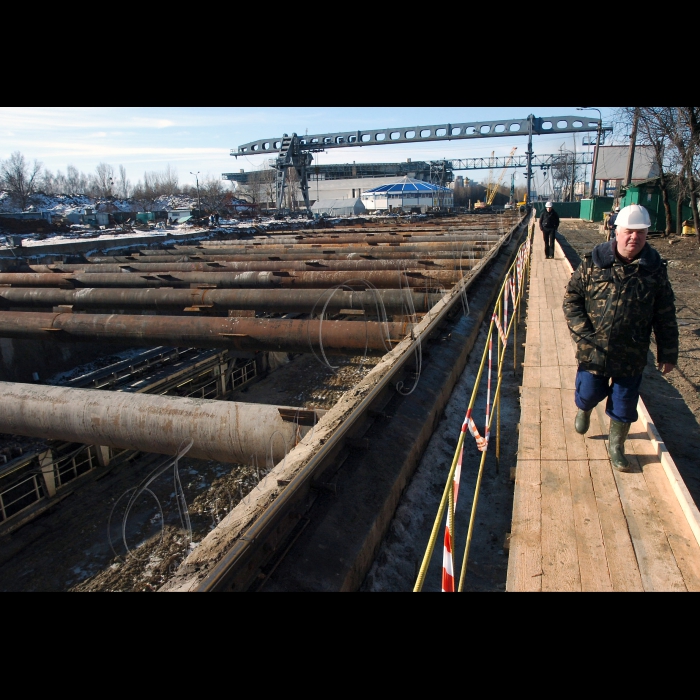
(611, 309)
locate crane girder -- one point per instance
(435, 132)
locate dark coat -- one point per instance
(549, 220)
(611, 309)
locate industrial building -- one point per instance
(342, 181)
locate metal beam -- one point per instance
(224, 431)
(420, 134)
(498, 162)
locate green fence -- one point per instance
(566, 210)
(595, 209)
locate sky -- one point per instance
(194, 140)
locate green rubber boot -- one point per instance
(616, 445)
(583, 421)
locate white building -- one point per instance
(408, 194)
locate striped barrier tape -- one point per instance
(448, 574)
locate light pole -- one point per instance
(597, 147)
(199, 205)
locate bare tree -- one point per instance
(76, 182)
(123, 184)
(48, 183)
(104, 180)
(260, 187)
(212, 193)
(168, 181)
(19, 178)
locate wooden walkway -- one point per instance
(578, 524)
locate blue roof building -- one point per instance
(408, 194)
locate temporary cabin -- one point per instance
(648, 194)
(338, 207)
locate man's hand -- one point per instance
(666, 367)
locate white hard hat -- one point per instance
(633, 216)
(548, 204)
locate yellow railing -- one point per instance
(513, 286)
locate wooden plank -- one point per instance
(525, 554)
(567, 376)
(681, 539)
(592, 558)
(549, 377)
(655, 559)
(622, 563)
(532, 344)
(685, 500)
(530, 405)
(531, 376)
(559, 549)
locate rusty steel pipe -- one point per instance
(345, 239)
(375, 254)
(353, 237)
(313, 250)
(384, 279)
(224, 431)
(264, 300)
(259, 266)
(233, 333)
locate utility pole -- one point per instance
(597, 148)
(199, 205)
(633, 141)
(529, 159)
(573, 174)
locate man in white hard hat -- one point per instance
(549, 223)
(619, 293)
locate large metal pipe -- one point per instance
(259, 266)
(347, 239)
(264, 300)
(356, 236)
(235, 333)
(311, 250)
(384, 253)
(383, 279)
(224, 431)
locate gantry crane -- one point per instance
(295, 151)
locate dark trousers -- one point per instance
(622, 394)
(548, 234)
